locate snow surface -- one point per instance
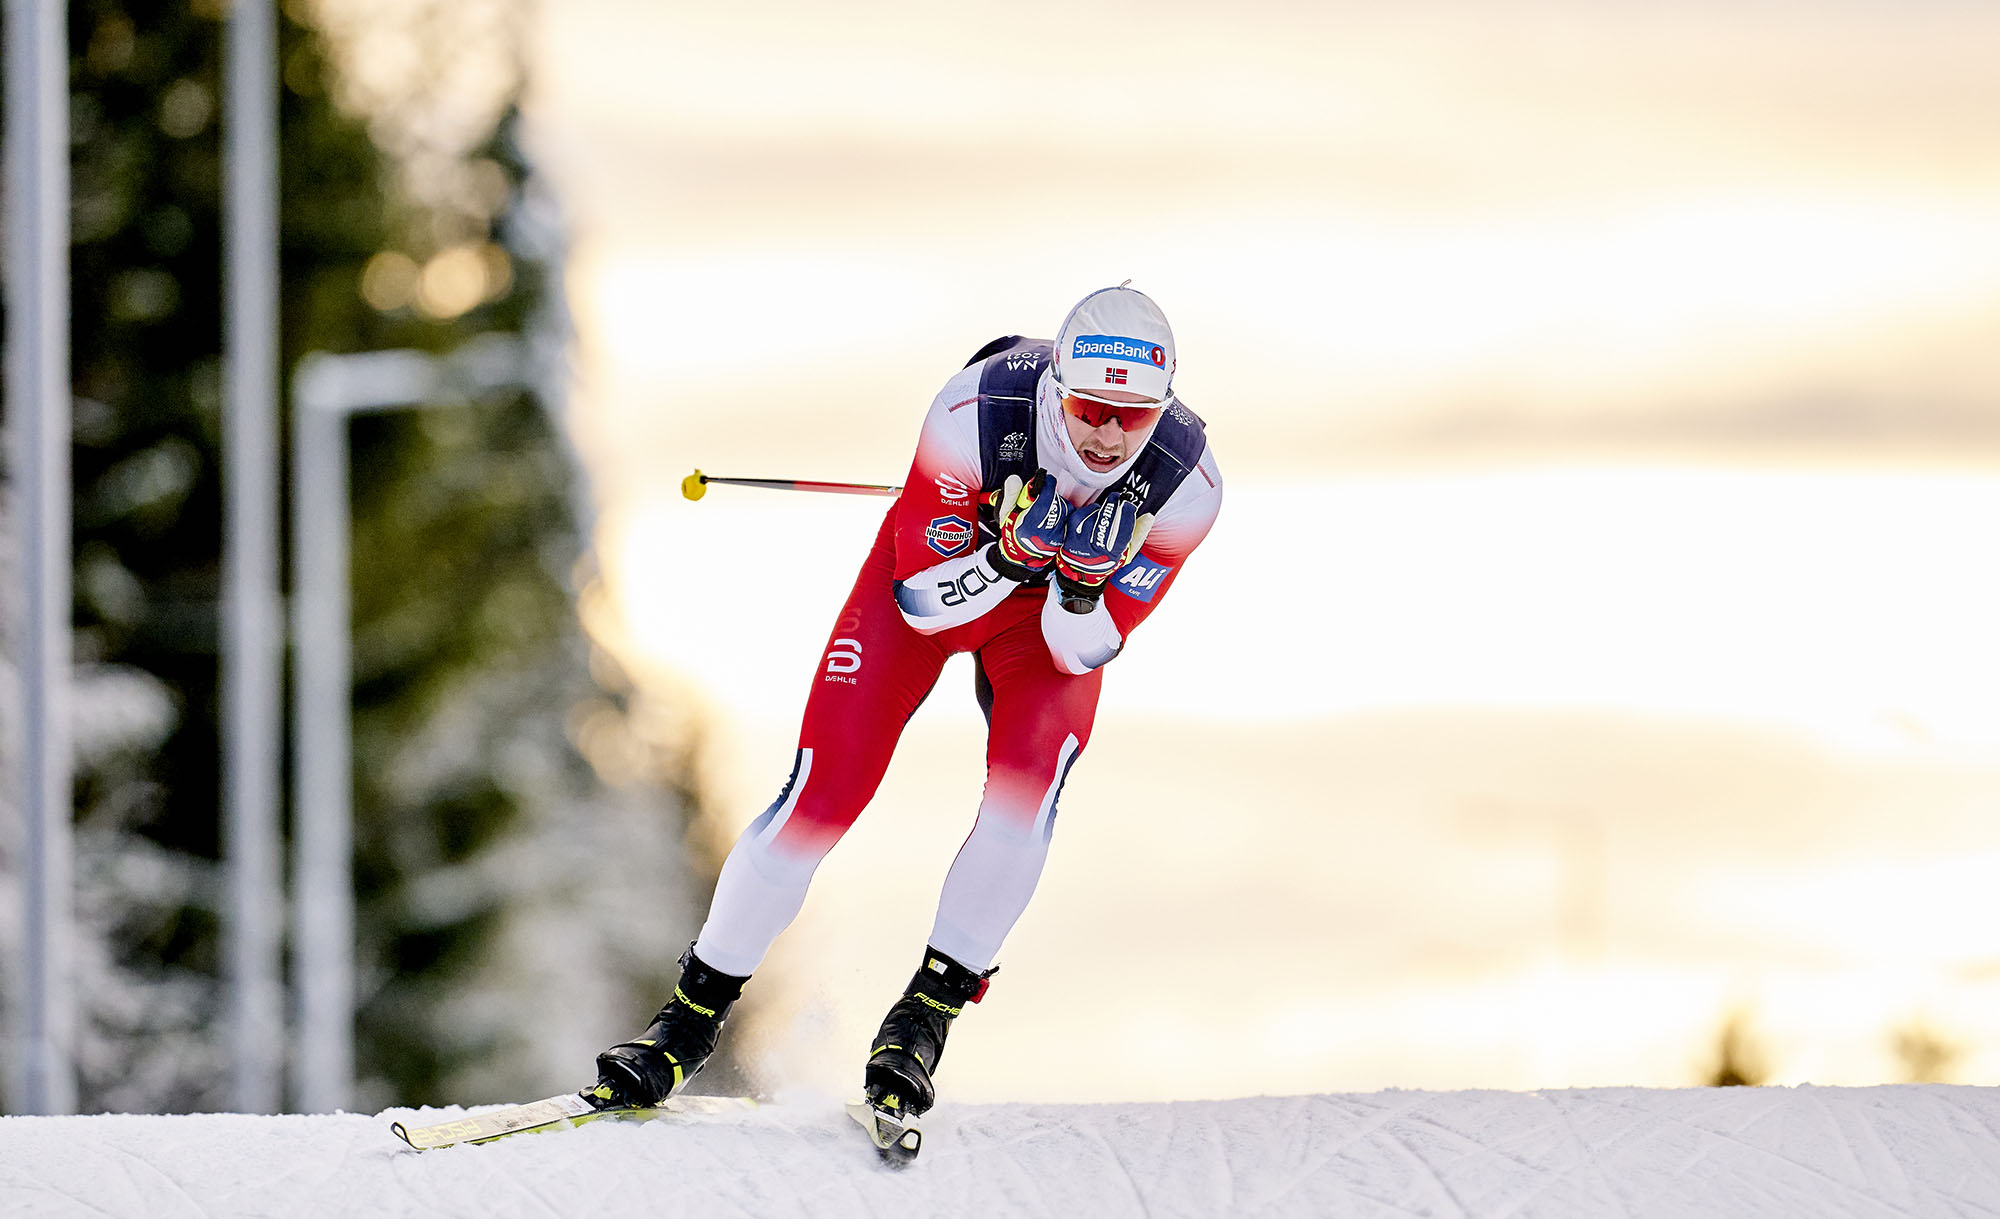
(1913, 1150)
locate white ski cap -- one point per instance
(1116, 338)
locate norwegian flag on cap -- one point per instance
(1115, 376)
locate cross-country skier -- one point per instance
(1056, 493)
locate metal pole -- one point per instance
(323, 797)
(251, 674)
(695, 485)
(38, 400)
(326, 390)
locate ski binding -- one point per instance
(894, 1132)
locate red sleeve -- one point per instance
(937, 517)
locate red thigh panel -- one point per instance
(875, 672)
(871, 677)
(1038, 723)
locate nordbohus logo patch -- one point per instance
(1140, 578)
(1112, 347)
(948, 534)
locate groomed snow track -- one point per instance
(1917, 1150)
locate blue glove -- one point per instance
(1031, 519)
(1100, 539)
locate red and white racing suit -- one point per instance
(1039, 669)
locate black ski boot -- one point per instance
(911, 1040)
(659, 1062)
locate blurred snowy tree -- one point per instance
(1926, 1055)
(520, 912)
(1739, 1060)
(516, 912)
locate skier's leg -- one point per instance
(1038, 721)
(874, 673)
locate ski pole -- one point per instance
(695, 485)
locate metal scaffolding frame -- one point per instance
(327, 390)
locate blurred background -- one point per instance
(1591, 679)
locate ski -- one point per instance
(895, 1133)
(558, 1113)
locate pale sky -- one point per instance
(1372, 218)
(1596, 638)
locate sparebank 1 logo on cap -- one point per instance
(1140, 578)
(1113, 347)
(948, 534)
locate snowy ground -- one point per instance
(1917, 1150)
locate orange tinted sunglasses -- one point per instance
(1130, 416)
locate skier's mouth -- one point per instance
(1097, 461)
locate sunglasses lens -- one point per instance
(1130, 417)
(1135, 418)
(1092, 413)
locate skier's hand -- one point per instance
(1100, 539)
(1032, 519)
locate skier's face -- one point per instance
(1107, 445)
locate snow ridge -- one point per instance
(1901, 1150)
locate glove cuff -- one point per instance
(1078, 597)
(1007, 569)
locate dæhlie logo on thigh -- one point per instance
(842, 658)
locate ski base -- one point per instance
(895, 1133)
(558, 1113)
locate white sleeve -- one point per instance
(952, 593)
(1079, 642)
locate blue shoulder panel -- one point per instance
(1011, 365)
(1171, 455)
(1007, 409)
